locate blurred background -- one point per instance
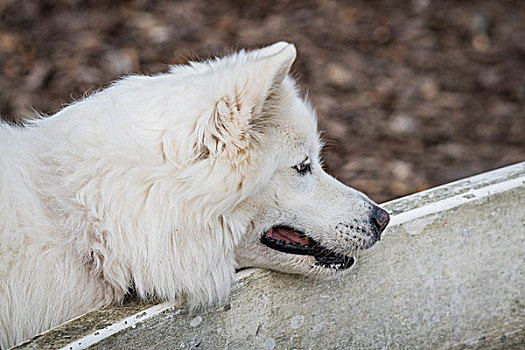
(410, 94)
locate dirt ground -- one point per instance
(410, 94)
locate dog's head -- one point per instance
(300, 219)
(291, 216)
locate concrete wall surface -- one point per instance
(448, 274)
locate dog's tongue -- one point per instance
(287, 235)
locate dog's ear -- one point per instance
(277, 59)
(247, 82)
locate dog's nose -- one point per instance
(380, 218)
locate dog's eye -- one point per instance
(303, 168)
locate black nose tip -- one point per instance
(380, 218)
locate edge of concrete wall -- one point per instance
(426, 230)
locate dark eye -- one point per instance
(303, 168)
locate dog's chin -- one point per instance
(284, 239)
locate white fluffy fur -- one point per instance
(154, 182)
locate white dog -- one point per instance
(165, 185)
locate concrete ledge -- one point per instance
(449, 274)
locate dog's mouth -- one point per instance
(287, 240)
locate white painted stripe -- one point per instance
(246, 272)
(131, 321)
(455, 201)
(483, 179)
(431, 208)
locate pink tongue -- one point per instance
(287, 235)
